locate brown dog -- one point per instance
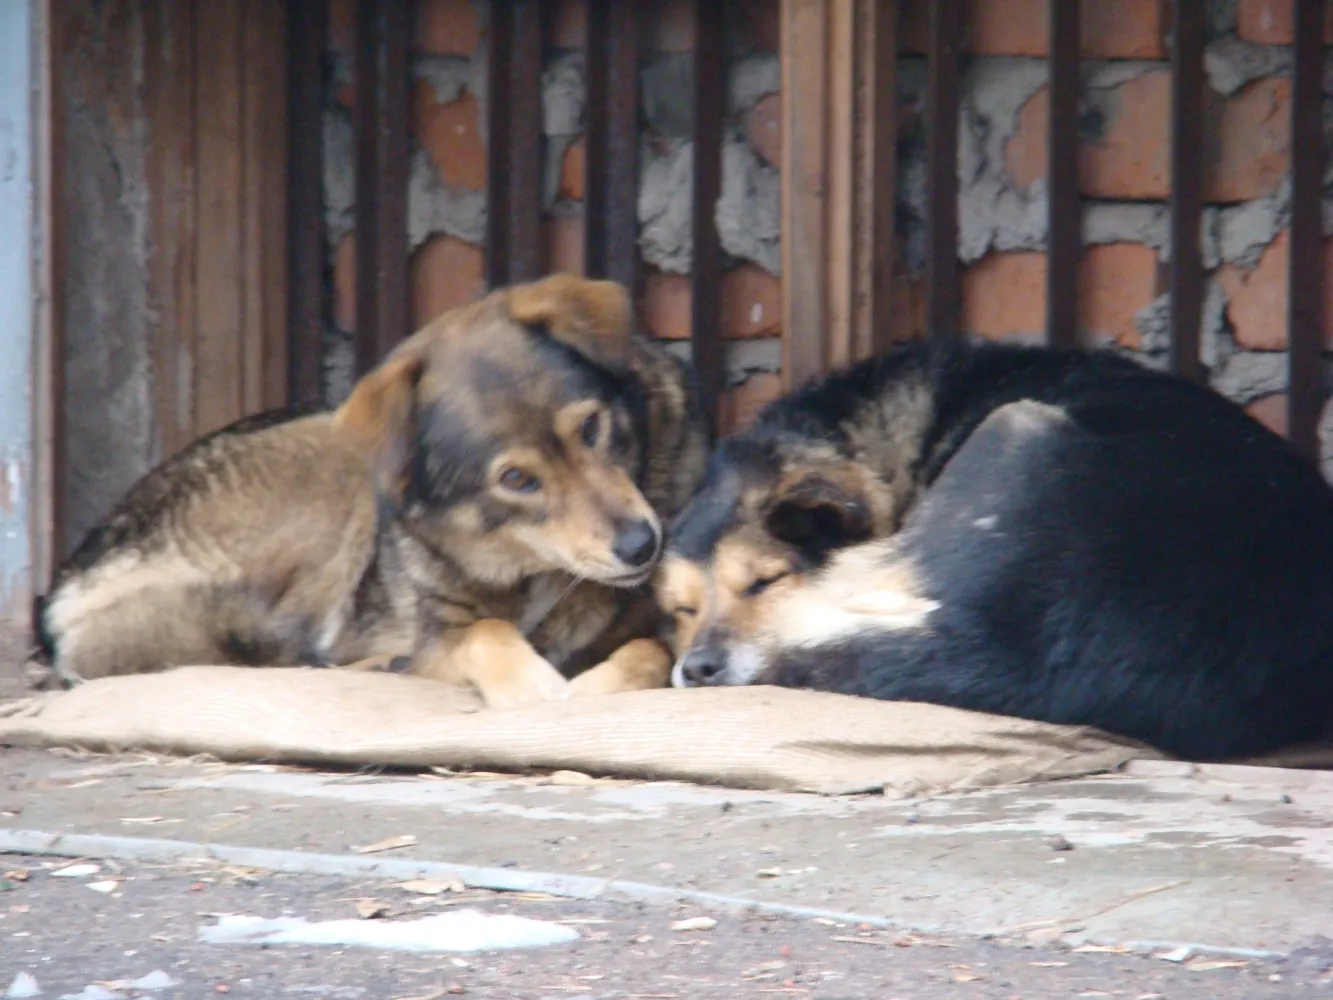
(488, 502)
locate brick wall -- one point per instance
(446, 210)
(1124, 169)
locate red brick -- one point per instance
(1271, 411)
(344, 284)
(446, 273)
(1270, 22)
(751, 303)
(666, 305)
(1026, 155)
(1111, 29)
(763, 129)
(346, 95)
(1124, 29)
(1115, 281)
(761, 23)
(450, 135)
(573, 171)
(740, 404)
(564, 245)
(342, 21)
(1132, 159)
(446, 27)
(1005, 294)
(671, 26)
(1253, 142)
(1257, 298)
(909, 307)
(569, 24)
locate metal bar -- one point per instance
(1065, 222)
(805, 268)
(382, 307)
(710, 99)
(611, 203)
(1187, 111)
(942, 131)
(876, 256)
(307, 30)
(514, 132)
(1305, 295)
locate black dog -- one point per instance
(1061, 536)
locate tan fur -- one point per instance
(275, 539)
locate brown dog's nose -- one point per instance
(636, 545)
(702, 667)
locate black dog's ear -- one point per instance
(817, 516)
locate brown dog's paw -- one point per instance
(533, 682)
(495, 658)
(636, 666)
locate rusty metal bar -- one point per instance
(942, 288)
(1187, 112)
(383, 31)
(307, 29)
(1305, 295)
(1065, 214)
(710, 100)
(611, 203)
(876, 252)
(514, 131)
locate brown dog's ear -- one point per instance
(378, 418)
(816, 515)
(593, 317)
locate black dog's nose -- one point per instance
(703, 666)
(636, 545)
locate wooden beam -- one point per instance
(838, 177)
(1305, 295)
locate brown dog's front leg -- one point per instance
(638, 665)
(495, 658)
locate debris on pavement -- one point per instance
(388, 844)
(74, 871)
(457, 930)
(694, 924)
(23, 986)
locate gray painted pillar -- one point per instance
(17, 219)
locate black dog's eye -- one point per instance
(763, 583)
(518, 481)
(684, 612)
(590, 431)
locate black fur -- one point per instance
(1158, 565)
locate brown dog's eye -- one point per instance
(763, 583)
(518, 481)
(591, 430)
(684, 612)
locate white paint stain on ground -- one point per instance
(458, 930)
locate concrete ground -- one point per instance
(1166, 880)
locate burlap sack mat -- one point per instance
(758, 737)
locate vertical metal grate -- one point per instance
(382, 301)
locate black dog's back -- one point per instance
(1124, 550)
